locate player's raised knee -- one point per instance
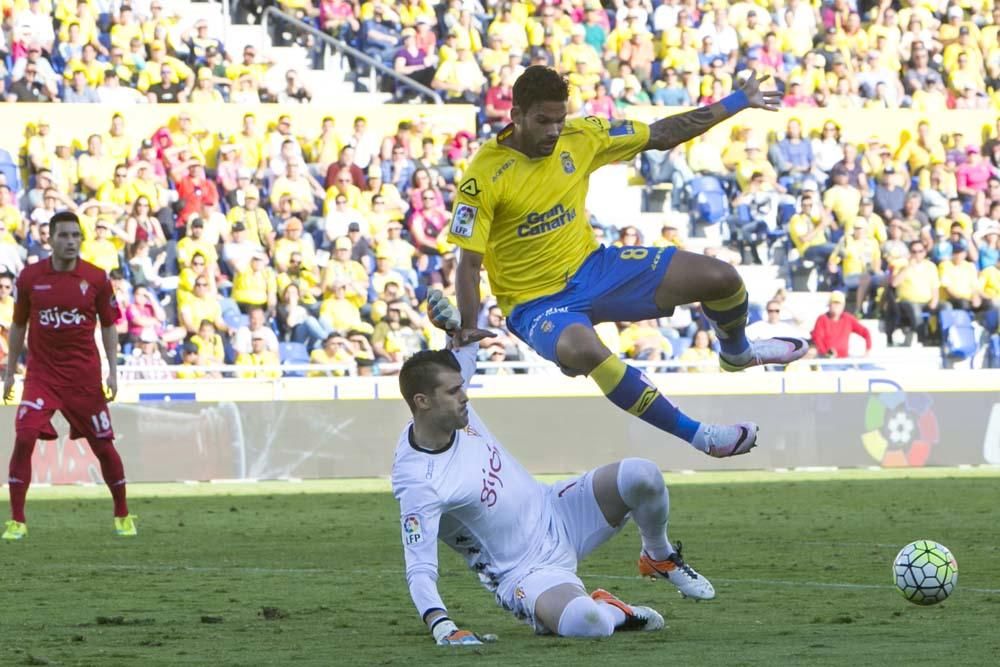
(639, 478)
(583, 617)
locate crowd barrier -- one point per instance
(349, 427)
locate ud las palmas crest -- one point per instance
(567, 162)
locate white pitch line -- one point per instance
(288, 570)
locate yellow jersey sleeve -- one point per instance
(472, 213)
(614, 140)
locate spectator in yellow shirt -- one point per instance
(644, 340)
(959, 281)
(193, 244)
(256, 285)
(10, 215)
(917, 291)
(211, 350)
(461, 80)
(342, 268)
(334, 350)
(257, 357)
(669, 237)
(189, 358)
(256, 222)
(294, 242)
(700, 353)
(95, 167)
(303, 277)
(100, 250)
(337, 311)
(202, 305)
(117, 190)
(859, 259)
(810, 230)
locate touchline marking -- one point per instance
(314, 570)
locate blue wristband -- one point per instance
(736, 102)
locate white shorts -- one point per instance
(577, 528)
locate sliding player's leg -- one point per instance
(635, 487)
(567, 610)
(719, 288)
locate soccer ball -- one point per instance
(925, 572)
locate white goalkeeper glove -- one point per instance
(443, 314)
(446, 633)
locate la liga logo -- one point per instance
(900, 428)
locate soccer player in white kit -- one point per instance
(456, 483)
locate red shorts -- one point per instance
(86, 410)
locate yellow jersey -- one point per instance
(527, 216)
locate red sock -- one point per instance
(113, 472)
(19, 474)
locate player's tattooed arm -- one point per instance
(672, 131)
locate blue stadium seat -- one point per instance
(293, 353)
(708, 200)
(958, 337)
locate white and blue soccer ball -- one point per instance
(925, 572)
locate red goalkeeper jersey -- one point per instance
(61, 309)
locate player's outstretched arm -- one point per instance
(464, 343)
(672, 131)
(467, 286)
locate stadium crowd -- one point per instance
(228, 247)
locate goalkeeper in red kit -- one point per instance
(59, 301)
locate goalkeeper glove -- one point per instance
(443, 314)
(446, 633)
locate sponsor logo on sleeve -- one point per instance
(464, 220)
(621, 129)
(469, 187)
(411, 529)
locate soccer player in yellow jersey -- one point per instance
(520, 211)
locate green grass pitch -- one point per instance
(311, 574)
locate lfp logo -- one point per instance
(900, 428)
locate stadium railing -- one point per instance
(348, 50)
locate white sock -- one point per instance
(641, 486)
(583, 617)
(617, 615)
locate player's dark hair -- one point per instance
(62, 216)
(539, 84)
(419, 374)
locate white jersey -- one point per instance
(473, 496)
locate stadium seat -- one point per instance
(958, 336)
(992, 357)
(709, 203)
(293, 353)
